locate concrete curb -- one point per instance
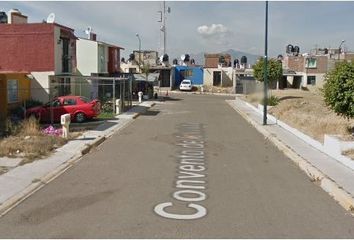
(306, 138)
(345, 199)
(19, 197)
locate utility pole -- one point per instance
(265, 69)
(163, 27)
(340, 48)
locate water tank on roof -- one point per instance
(175, 61)
(222, 59)
(192, 61)
(280, 57)
(243, 60)
(326, 51)
(165, 58)
(289, 49)
(131, 57)
(296, 50)
(186, 58)
(3, 17)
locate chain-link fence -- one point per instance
(15, 102)
(105, 89)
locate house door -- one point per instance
(216, 78)
(297, 82)
(165, 78)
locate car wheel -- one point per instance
(80, 117)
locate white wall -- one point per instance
(40, 86)
(226, 78)
(87, 56)
(58, 52)
(124, 67)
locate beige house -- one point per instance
(309, 70)
(220, 76)
(218, 70)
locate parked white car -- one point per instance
(186, 84)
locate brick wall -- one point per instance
(296, 63)
(27, 47)
(212, 60)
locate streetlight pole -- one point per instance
(137, 35)
(339, 49)
(265, 69)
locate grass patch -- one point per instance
(27, 141)
(307, 112)
(271, 101)
(106, 115)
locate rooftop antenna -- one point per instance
(51, 18)
(88, 31)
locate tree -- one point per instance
(146, 70)
(338, 89)
(275, 70)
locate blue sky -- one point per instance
(194, 27)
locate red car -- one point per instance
(80, 108)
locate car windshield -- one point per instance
(186, 81)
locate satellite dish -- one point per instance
(161, 58)
(51, 18)
(88, 30)
(183, 57)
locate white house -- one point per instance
(95, 58)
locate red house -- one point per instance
(41, 49)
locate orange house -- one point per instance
(15, 88)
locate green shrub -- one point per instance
(338, 89)
(107, 107)
(271, 101)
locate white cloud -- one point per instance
(215, 33)
(212, 30)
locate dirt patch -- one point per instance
(307, 112)
(28, 142)
(213, 89)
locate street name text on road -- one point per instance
(190, 180)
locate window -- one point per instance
(311, 80)
(187, 73)
(311, 63)
(85, 99)
(69, 101)
(12, 90)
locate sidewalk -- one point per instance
(333, 177)
(21, 181)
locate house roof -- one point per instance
(289, 72)
(216, 55)
(101, 42)
(14, 72)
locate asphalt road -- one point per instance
(243, 186)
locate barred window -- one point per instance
(12, 90)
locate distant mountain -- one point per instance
(251, 58)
